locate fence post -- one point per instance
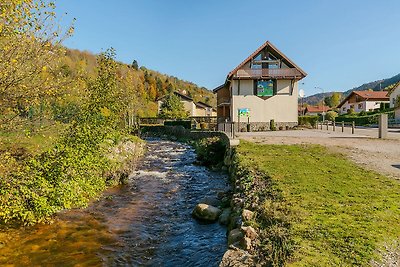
(383, 125)
(334, 125)
(327, 125)
(352, 127)
(342, 126)
(322, 124)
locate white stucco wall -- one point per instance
(365, 106)
(281, 107)
(393, 96)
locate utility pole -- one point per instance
(323, 104)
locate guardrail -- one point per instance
(272, 73)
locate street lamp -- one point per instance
(302, 95)
(323, 105)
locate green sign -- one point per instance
(265, 88)
(244, 112)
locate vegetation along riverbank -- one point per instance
(311, 207)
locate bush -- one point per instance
(187, 124)
(308, 120)
(331, 115)
(210, 151)
(272, 125)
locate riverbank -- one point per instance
(313, 207)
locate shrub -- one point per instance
(272, 125)
(210, 151)
(331, 115)
(308, 120)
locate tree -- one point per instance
(333, 100)
(331, 115)
(30, 45)
(172, 108)
(135, 65)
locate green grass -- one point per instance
(341, 214)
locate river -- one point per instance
(146, 222)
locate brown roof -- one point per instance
(317, 109)
(179, 95)
(267, 43)
(367, 95)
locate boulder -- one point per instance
(224, 217)
(249, 232)
(245, 243)
(237, 258)
(206, 212)
(235, 236)
(247, 215)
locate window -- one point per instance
(344, 108)
(265, 87)
(360, 106)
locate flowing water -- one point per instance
(146, 222)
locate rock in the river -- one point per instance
(206, 212)
(234, 236)
(224, 217)
(249, 232)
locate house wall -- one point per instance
(281, 107)
(393, 96)
(397, 114)
(361, 106)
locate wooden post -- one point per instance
(334, 125)
(352, 127)
(383, 125)
(322, 124)
(327, 125)
(342, 126)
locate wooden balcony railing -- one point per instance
(268, 73)
(223, 100)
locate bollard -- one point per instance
(334, 125)
(383, 125)
(352, 127)
(342, 126)
(327, 126)
(322, 124)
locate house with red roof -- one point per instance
(363, 101)
(262, 88)
(316, 110)
(394, 95)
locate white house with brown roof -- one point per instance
(363, 101)
(316, 110)
(262, 88)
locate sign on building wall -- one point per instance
(265, 88)
(244, 112)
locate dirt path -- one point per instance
(372, 153)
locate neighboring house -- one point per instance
(194, 109)
(363, 101)
(397, 114)
(316, 110)
(261, 88)
(394, 94)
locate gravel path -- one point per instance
(364, 147)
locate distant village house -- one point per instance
(394, 96)
(262, 88)
(194, 109)
(363, 101)
(316, 110)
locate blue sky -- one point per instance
(340, 44)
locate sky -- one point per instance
(341, 44)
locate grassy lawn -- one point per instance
(341, 214)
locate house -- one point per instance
(262, 88)
(194, 109)
(363, 101)
(316, 110)
(394, 95)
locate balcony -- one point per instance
(268, 73)
(223, 101)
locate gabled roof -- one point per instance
(274, 49)
(202, 104)
(393, 88)
(255, 53)
(367, 95)
(317, 109)
(185, 97)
